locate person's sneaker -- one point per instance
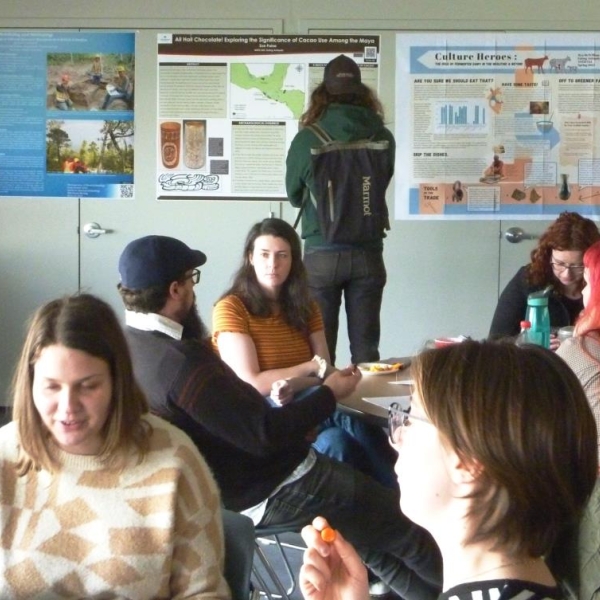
(378, 588)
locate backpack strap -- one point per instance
(302, 207)
(324, 138)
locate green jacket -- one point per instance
(343, 122)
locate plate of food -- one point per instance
(379, 368)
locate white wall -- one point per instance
(436, 283)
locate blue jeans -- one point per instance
(350, 440)
(360, 276)
(400, 553)
(359, 444)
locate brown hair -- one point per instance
(320, 99)
(570, 231)
(294, 298)
(81, 322)
(520, 418)
(147, 300)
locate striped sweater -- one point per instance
(278, 345)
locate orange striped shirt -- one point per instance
(278, 344)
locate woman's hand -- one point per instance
(282, 392)
(331, 570)
(554, 342)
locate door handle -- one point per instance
(514, 235)
(93, 230)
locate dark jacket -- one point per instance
(343, 122)
(512, 306)
(250, 446)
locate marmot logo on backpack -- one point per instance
(348, 188)
(366, 195)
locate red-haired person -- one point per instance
(557, 260)
(582, 351)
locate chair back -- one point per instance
(575, 559)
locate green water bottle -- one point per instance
(539, 317)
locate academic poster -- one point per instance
(66, 114)
(496, 126)
(229, 106)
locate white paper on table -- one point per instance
(403, 382)
(385, 401)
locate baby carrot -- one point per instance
(328, 535)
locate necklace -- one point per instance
(515, 563)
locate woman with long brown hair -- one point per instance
(347, 110)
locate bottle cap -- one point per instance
(537, 301)
(525, 324)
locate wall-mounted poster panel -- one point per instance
(229, 105)
(66, 114)
(496, 126)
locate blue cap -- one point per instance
(156, 260)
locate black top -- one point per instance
(512, 306)
(502, 589)
(250, 445)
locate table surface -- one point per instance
(377, 386)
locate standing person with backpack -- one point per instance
(338, 168)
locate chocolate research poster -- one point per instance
(229, 106)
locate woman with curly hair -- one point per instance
(557, 261)
(348, 110)
(269, 330)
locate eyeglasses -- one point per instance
(398, 418)
(195, 276)
(560, 267)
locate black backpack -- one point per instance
(350, 180)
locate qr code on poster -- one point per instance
(126, 190)
(371, 53)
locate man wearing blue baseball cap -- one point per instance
(259, 454)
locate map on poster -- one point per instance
(496, 126)
(265, 91)
(229, 107)
(67, 114)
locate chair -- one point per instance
(575, 559)
(271, 535)
(239, 536)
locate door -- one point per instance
(39, 258)
(517, 240)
